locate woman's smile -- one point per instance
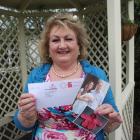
(66, 51)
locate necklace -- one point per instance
(75, 69)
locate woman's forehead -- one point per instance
(61, 29)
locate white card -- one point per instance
(55, 94)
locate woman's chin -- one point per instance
(64, 60)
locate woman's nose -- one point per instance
(62, 43)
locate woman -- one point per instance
(63, 52)
(84, 98)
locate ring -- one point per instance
(20, 109)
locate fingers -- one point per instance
(26, 102)
(116, 117)
(113, 114)
(28, 107)
(107, 109)
(104, 109)
(26, 98)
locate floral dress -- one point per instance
(56, 124)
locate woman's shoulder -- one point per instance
(38, 73)
(92, 69)
(41, 68)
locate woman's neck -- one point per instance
(65, 67)
(63, 72)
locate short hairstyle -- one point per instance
(63, 20)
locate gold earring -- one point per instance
(79, 53)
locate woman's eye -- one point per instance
(69, 39)
(55, 40)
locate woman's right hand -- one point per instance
(27, 109)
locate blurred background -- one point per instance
(136, 132)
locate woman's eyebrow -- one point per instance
(54, 36)
(57, 36)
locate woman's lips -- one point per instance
(63, 52)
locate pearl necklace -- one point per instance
(66, 75)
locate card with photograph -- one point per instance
(90, 121)
(91, 93)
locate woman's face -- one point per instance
(63, 46)
(90, 86)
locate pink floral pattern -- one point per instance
(56, 123)
(47, 135)
(59, 122)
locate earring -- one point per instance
(79, 53)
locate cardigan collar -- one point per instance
(44, 69)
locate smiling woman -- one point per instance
(76, 33)
(63, 50)
(63, 45)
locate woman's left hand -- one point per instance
(113, 116)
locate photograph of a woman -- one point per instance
(84, 97)
(91, 94)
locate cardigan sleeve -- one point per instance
(36, 75)
(18, 124)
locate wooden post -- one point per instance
(131, 57)
(22, 50)
(114, 44)
(131, 44)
